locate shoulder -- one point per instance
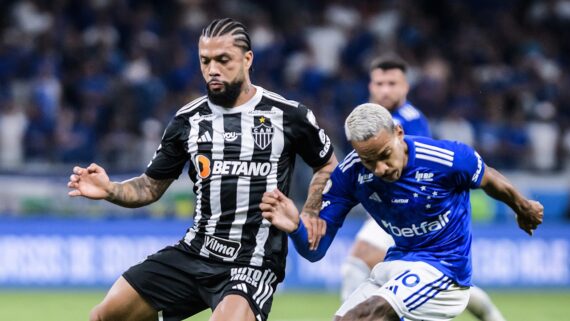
(277, 100)
(434, 152)
(192, 106)
(347, 173)
(410, 113)
(298, 113)
(445, 153)
(350, 169)
(351, 160)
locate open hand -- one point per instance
(91, 182)
(280, 211)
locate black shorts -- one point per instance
(178, 284)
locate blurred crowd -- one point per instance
(98, 80)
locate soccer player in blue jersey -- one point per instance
(389, 87)
(417, 190)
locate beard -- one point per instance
(228, 96)
(389, 104)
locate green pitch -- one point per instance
(75, 306)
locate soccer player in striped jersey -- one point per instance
(389, 87)
(240, 141)
(417, 190)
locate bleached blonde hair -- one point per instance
(366, 121)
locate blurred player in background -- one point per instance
(389, 87)
(418, 190)
(240, 141)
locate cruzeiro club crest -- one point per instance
(263, 132)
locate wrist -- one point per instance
(310, 211)
(521, 205)
(110, 190)
(299, 230)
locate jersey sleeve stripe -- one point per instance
(279, 98)
(191, 105)
(434, 159)
(434, 153)
(349, 165)
(439, 149)
(352, 155)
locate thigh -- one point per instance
(368, 253)
(254, 286)
(375, 308)
(123, 303)
(373, 234)
(418, 291)
(166, 280)
(233, 307)
(360, 295)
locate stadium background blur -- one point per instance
(98, 80)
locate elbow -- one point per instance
(329, 166)
(313, 256)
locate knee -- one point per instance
(374, 308)
(101, 312)
(95, 314)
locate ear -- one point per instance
(399, 131)
(248, 58)
(407, 87)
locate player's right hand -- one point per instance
(91, 182)
(280, 211)
(530, 216)
(316, 228)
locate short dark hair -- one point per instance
(389, 61)
(229, 26)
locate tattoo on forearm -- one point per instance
(313, 204)
(138, 191)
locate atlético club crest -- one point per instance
(262, 133)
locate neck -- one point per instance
(398, 105)
(247, 92)
(406, 153)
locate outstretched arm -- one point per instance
(316, 227)
(93, 182)
(282, 213)
(529, 213)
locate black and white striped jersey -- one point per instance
(235, 155)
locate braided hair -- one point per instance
(229, 26)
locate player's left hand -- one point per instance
(316, 228)
(529, 216)
(280, 211)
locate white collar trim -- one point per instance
(245, 107)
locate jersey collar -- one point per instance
(245, 107)
(411, 153)
(401, 106)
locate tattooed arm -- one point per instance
(92, 182)
(316, 227)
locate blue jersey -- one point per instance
(412, 120)
(427, 211)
